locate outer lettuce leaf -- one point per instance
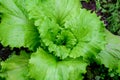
(110, 56)
(89, 32)
(56, 10)
(0, 17)
(44, 66)
(66, 29)
(15, 67)
(118, 70)
(15, 28)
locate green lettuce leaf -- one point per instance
(0, 17)
(15, 67)
(65, 29)
(16, 30)
(89, 32)
(118, 70)
(56, 10)
(110, 56)
(44, 66)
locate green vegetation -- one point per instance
(61, 38)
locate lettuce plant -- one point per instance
(62, 36)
